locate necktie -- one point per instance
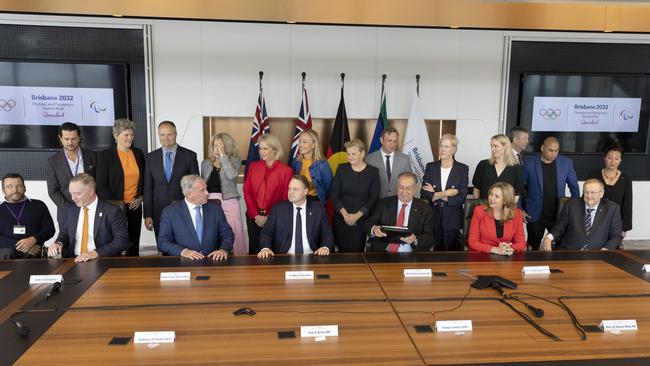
(199, 223)
(84, 233)
(521, 160)
(168, 165)
(394, 247)
(388, 174)
(588, 222)
(298, 234)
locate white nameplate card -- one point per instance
(154, 337)
(39, 279)
(175, 276)
(417, 273)
(454, 326)
(646, 267)
(618, 325)
(299, 275)
(535, 270)
(319, 331)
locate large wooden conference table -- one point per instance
(383, 318)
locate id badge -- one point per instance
(19, 230)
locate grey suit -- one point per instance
(58, 176)
(401, 164)
(606, 229)
(227, 175)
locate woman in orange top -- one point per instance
(119, 173)
(497, 226)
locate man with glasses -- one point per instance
(587, 223)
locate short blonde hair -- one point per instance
(229, 144)
(451, 138)
(510, 158)
(318, 152)
(85, 179)
(274, 144)
(121, 125)
(509, 202)
(356, 143)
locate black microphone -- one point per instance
(55, 288)
(537, 311)
(21, 328)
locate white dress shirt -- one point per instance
(391, 159)
(404, 247)
(192, 208)
(76, 167)
(92, 209)
(306, 248)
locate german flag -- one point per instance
(340, 135)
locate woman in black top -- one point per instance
(502, 166)
(355, 190)
(618, 186)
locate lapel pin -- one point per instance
(100, 214)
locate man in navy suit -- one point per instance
(589, 223)
(546, 175)
(164, 168)
(296, 226)
(92, 228)
(193, 227)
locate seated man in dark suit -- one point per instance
(193, 227)
(296, 226)
(587, 223)
(401, 210)
(91, 227)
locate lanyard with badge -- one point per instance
(76, 168)
(18, 229)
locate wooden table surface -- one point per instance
(4, 273)
(375, 307)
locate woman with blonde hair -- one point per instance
(266, 183)
(220, 172)
(502, 166)
(497, 226)
(311, 164)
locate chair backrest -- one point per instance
(560, 204)
(470, 204)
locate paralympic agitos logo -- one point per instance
(96, 107)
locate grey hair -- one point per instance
(122, 125)
(187, 182)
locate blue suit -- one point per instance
(321, 177)
(177, 231)
(277, 232)
(566, 176)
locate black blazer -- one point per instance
(158, 193)
(109, 232)
(420, 223)
(277, 232)
(606, 229)
(110, 175)
(448, 214)
(59, 175)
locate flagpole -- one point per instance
(304, 75)
(261, 75)
(417, 84)
(342, 81)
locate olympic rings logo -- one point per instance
(550, 113)
(7, 105)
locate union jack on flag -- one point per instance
(260, 127)
(303, 122)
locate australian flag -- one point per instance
(260, 127)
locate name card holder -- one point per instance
(298, 275)
(618, 325)
(175, 276)
(454, 326)
(646, 268)
(536, 270)
(41, 279)
(154, 337)
(417, 273)
(319, 331)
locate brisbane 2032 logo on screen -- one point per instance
(7, 104)
(550, 113)
(96, 107)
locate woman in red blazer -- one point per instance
(498, 226)
(266, 183)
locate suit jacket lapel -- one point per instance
(392, 211)
(310, 225)
(452, 175)
(99, 213)
(72, 225)
(185, 216)
(413, 215)
(207, 217)
(538, 171)
(437, 178)
(175, 163)
(600, 212)
(63, 161)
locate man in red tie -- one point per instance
(412, 214)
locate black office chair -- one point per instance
(469, 206)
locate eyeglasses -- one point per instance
(592, 192)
